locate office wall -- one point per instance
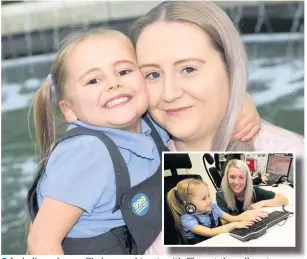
(261, 161)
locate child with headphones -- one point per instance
(197, 218)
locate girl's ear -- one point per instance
(67, 111)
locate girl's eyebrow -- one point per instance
(89, 71)
(123, 61)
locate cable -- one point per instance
(285, 220)
(283, 208)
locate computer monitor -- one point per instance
(279, 164)
(290, 177)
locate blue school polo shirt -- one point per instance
(79, 172)
(189, 221)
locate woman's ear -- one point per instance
(67, 111)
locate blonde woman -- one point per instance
(238, 193)
(195, 67)
(196, 217)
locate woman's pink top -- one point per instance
(275, 139)
(270, 138)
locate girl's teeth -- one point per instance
(117, 101)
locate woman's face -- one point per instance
(237, 180)
(186, 78)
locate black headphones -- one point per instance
(190, 208)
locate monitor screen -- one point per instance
(278, 164)
(291, 174)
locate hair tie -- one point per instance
(49, 80)
(175, 189)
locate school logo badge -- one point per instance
(140, 204)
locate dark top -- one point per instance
(259, 195)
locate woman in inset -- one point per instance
(238, 193)
(197, 218)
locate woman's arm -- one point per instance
(249, 121)
(245, 216)
(278, 200)
(210, 232)
(53, 222)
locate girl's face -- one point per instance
(104, 85)
(201, 198)
(186, 79)
(237, 180)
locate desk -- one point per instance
(276, 236)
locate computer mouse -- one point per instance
(274, 185)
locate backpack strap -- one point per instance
(122, 177)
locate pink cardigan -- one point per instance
(270, 138)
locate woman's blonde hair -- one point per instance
(248, 191)
(179, 196)
(226, 40)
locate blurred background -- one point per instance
(272, 31)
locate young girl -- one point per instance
(197, 218)
(99, 186)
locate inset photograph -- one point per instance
(229, 199)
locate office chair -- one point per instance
(217, 179)
(173, 162)
(212, 172)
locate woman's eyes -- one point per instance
(156, 75)
(188, 70)
(152, 75)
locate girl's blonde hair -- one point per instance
(43, 110)
(179, 196)
(226, 40)
(248, 191)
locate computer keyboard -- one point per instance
(259, 228)
(274, 178)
